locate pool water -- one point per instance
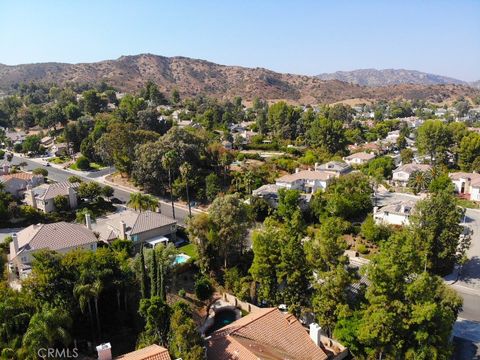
(222, 318)
(181, 258)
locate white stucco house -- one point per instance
(401, 175)
(306, 181)
(338, 168)
(394, 214)
(467, 184)
(359, 158)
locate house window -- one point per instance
(92, 246)
(24, 259)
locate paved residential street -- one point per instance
(56, 174)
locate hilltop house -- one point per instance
(359, 158)
(266, 334)
(61, 237)
(42, 197)
(401, 175)
(17, 183)
(140, 227)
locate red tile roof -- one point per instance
(265, 334)
(152, 352)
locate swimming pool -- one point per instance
(222, 318)
(181, 258)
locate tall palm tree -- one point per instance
(46, 329)
(167, 162)
(419, 181)
(185, 170)
(84, 293)
(142, 202)
(97, 288)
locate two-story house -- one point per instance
(402, 174)
(42, 197)
(61, 237)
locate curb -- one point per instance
(130, 190)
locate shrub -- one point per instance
(61, 203)
(74, 179)
(203, 288)
(2, 154)
(182, 293)
(362, 249)
(40, 171)
(83, 163)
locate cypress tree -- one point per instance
(153, 274)
(143, 282)
(161, 287)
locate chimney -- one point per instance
(5, 169)
(104, 351)
(316, 165)
(15, 243)
(72, 198)
(31, 196)
(375, 209)
(123, 230)
(88, 221)
(297, 170)
(316, 333)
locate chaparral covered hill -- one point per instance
(192, 77)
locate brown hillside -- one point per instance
(192, 77)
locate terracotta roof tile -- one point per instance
(152, 352)
(264, 334)
(22, 176)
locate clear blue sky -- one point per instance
(297, 36)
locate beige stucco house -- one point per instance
(42, 197)
(61, 237)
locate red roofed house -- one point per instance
(266, 334)
(152, 352)
(17, 183)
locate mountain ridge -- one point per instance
(196, 76)
(375, 77)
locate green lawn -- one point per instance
(93, 166)
(190, 250)
(468, 204)
(96, 166)
(59, 160)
